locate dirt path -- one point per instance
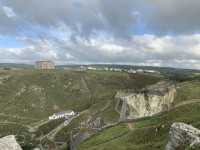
(14, 123)
(192, 101)
(130, 126)
(17, 117)
(38, 124)
(85, 86)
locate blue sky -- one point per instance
(10, 42)
(139, 32)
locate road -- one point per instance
(17, 117)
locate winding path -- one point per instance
(187, 102)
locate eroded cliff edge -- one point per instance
(146, 102)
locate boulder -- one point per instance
(183, 136)
(9, 143)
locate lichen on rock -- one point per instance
(9, 143)
(183, 136)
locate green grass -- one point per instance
(196, 75)
(33, 95)
(48, 127)
(147, 134)
(110, 134)
(188, 91)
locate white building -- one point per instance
(106, 69)
(132, 71)
(117, 69)
(60, 115)
(83, 68)
(150, 71)
(140, 71)
(91, 68)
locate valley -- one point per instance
(153, 102)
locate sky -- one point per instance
(137, 32)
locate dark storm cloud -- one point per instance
(116, 16)
(82, 16)
(153, 32)
(174, 16)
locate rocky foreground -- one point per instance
(9, 143)
(183, 136)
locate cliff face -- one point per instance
(9, 143)
(93, 124)
(149, 101)
(183, 136)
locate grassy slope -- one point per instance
(188, 91)
(28, 96)
(150, 133)
(103, 86)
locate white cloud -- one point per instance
(16, 51)
(112, 48)
(174, 51)
(9, 12)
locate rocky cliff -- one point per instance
(9, 143)
(183, 136)
(92, 124)
(147, 102)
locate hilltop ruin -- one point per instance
(45, 65)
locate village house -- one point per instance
(65, 114)
(91, 68)
(132, 71)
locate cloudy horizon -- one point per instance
(154, 33)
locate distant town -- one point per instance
(50, 65)
(121, 70)
(113, 69)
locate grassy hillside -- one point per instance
(37, 94)
(187, 91)
(150, 133)
(28, 97)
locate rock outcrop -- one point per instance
(77, 139)
(88, 128)
(93, 123)
(147, 102)
(183, 136)
(9, 143)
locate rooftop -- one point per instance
(64, 112)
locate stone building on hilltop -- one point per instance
(44, 65)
